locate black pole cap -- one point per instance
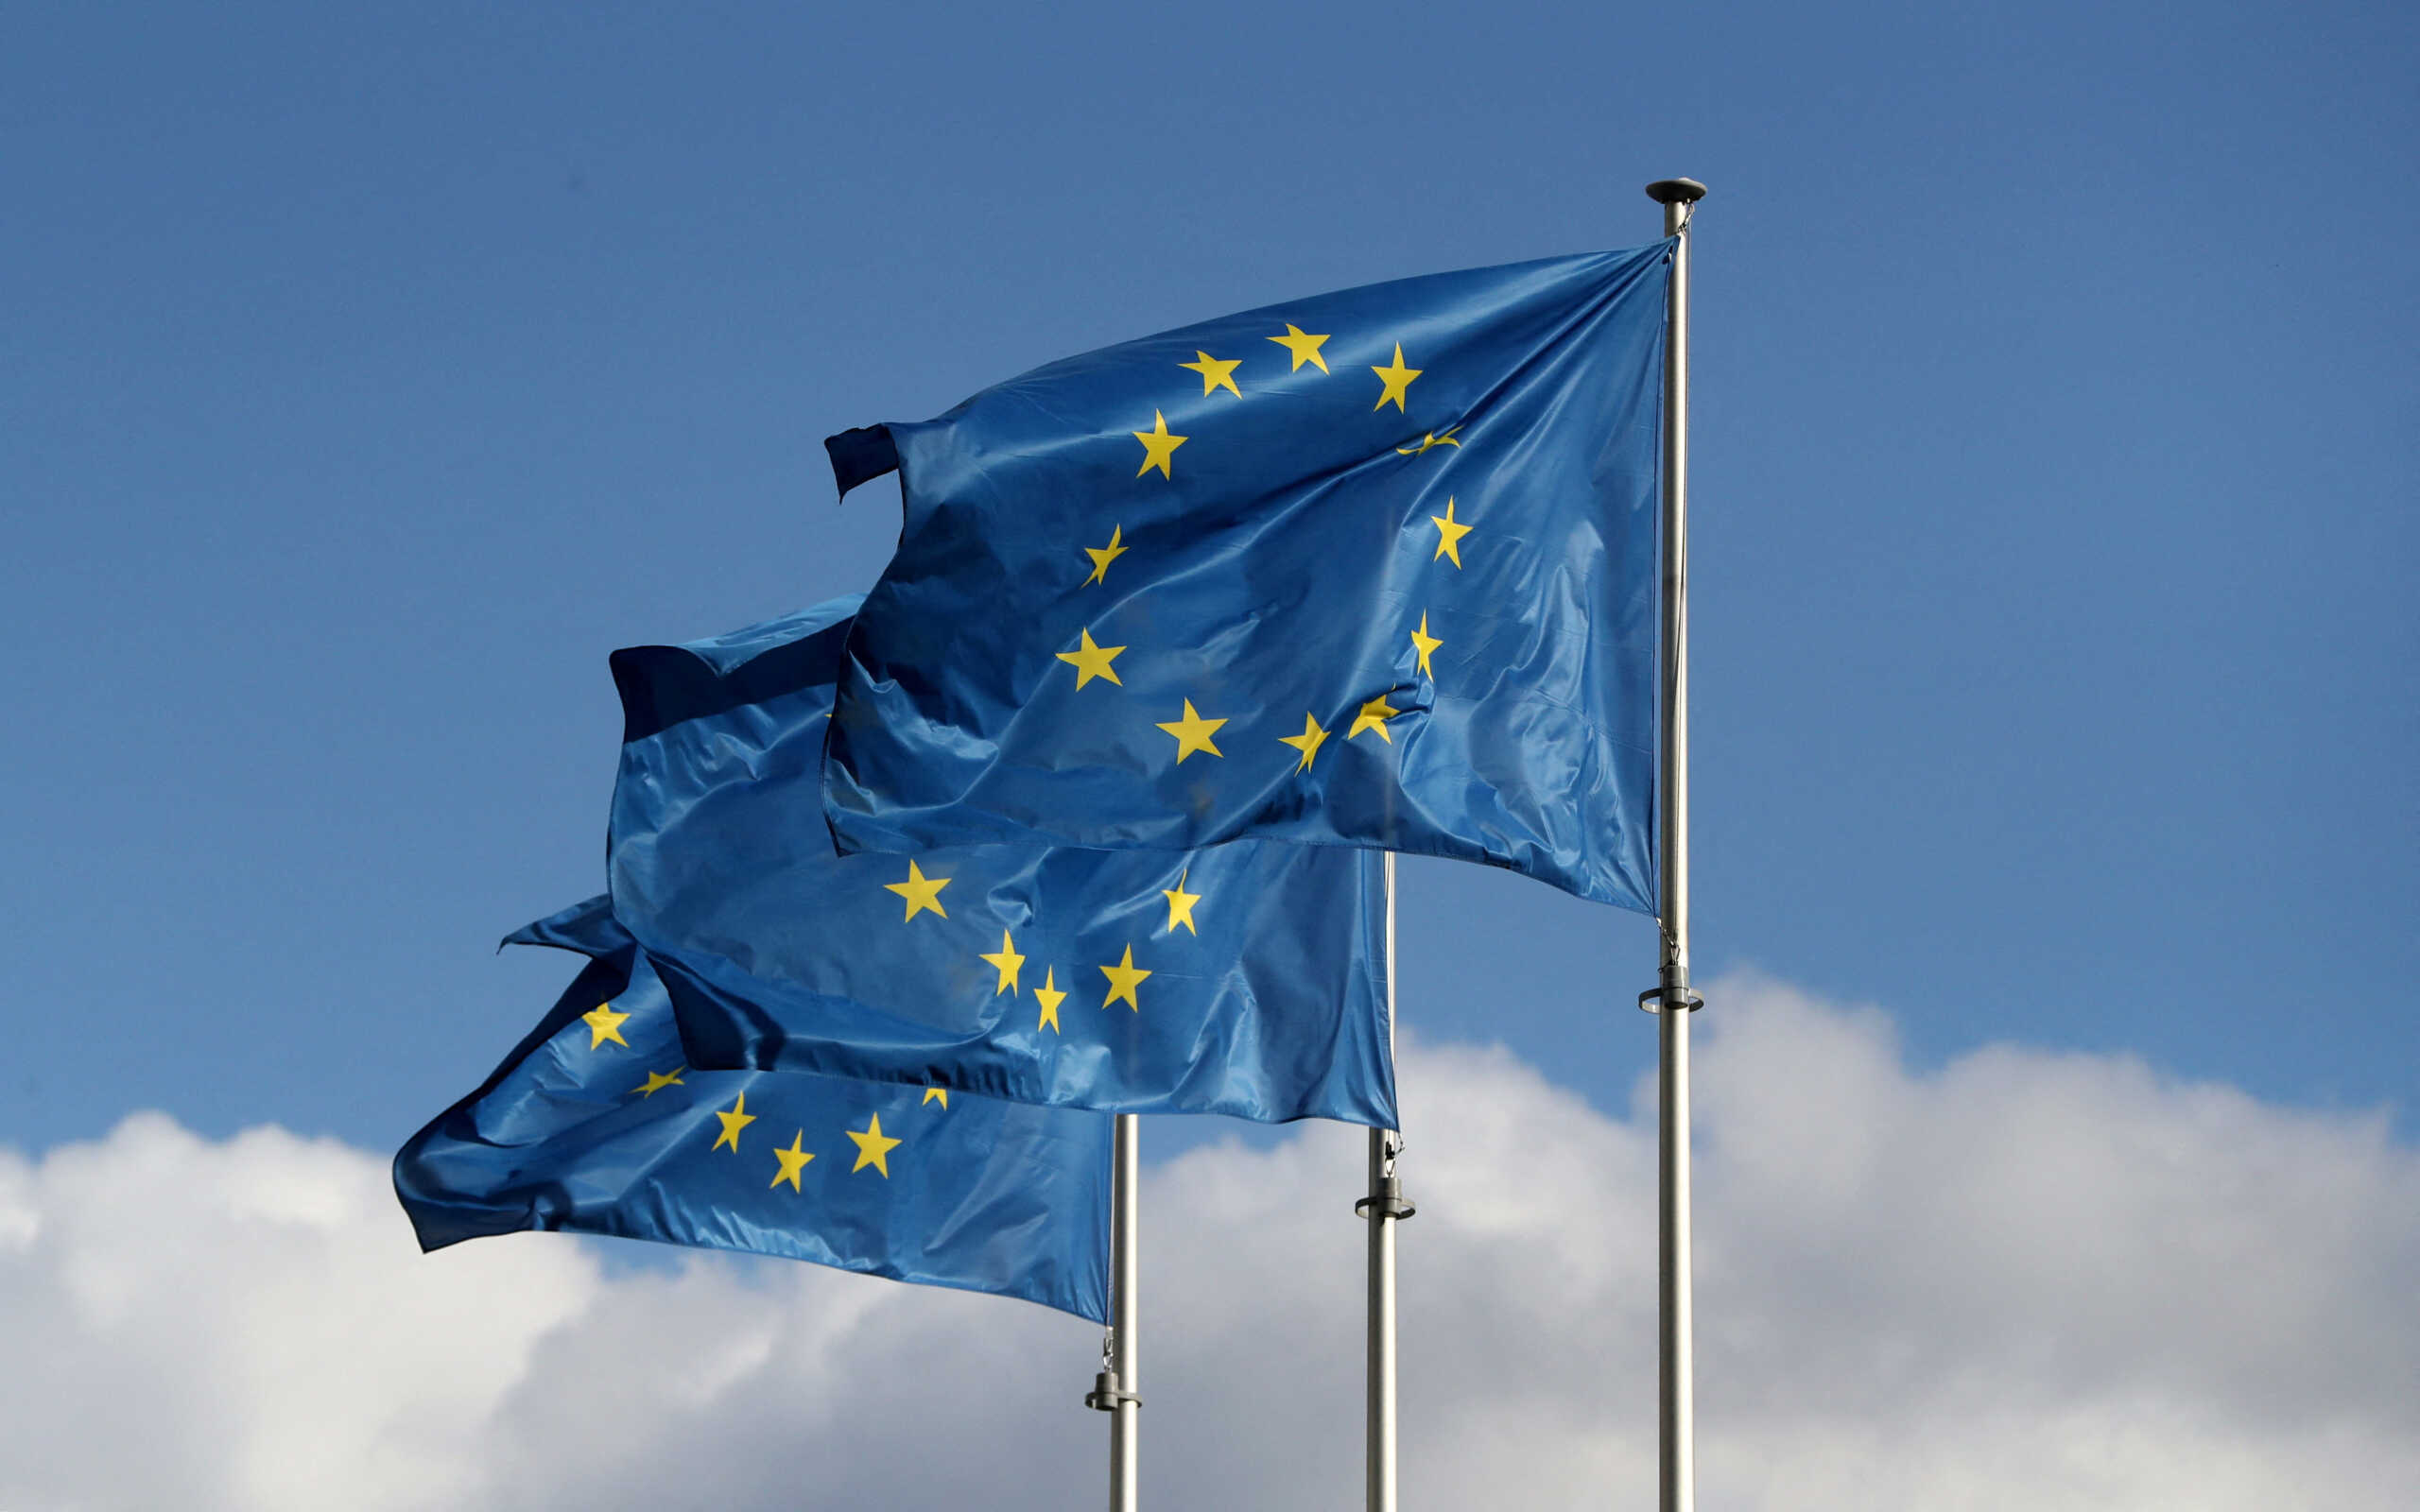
(1676, 191)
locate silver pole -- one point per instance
(1671, 997)
(1116, 1392)
(1383, 1208)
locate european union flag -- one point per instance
(1246, 979)
(1377, 568)
(594, 1124)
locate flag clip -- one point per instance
(1651, 1001)
(1108, 1395)
(1388, 1200)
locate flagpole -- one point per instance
(1675, 1425)
(1125, 1419)
(1113, 1391)
(1383, 1208)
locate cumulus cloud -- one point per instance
(2023, 1279)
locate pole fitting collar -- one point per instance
(1108, 1395)
(1387, 1202)
(1654, 999)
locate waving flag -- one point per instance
(1377, 568)
(596, 1123)
(1245, 979)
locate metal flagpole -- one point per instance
(1114, 1391)
(1677, 1468)
(1383, 1208)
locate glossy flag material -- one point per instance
(593, 1123)
(1377, 568)
(1246, 980)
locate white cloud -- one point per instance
(2025, 1279)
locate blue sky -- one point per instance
(368, 374)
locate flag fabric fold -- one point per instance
(1244, 979)
(596, 1123)
(1377, 568)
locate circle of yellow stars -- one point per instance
(1123, 978)
(874, 1146)
(1193, 731)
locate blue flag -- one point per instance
(1377, 568)
(1246, 979)
(594, 1124)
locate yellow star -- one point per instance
(1373, 716)
(1424, 643)
(1158, 445)
(1049, 996)
(1434, 438)
(1398, 380)
(920, 891)
(733, 1122)
(603, 1024)
(1215, 375)
(1193, 733)
(1123, 979)
(1449, 534)
(1092, 660)
(1103, 556)
(873, 1148)
(1306, 349)
(1180, 907)
(932, 1095)
(1006, 963)
(658, 1080)
(794, 1160)
(1307, 742)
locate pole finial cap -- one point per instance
(1676, 191)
